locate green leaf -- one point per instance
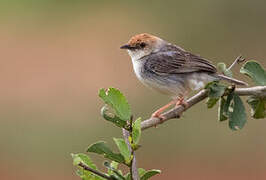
(211, 102)
(114, 98)
(103, 149)
(221, 110)
(141, 172)
(109, 166)
(255, 71)
(112, 117)
(83, 158)
(112, 170)
(84, 174)
(227, 105)
(222, 67)
(136, 131)
(149, 174)
(216, 90)
(258, 107)
(114, 164)
(87, 175)
(123, 148)
(228, 73)
(237, 118)
(128, 176)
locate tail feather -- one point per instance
(232, 80)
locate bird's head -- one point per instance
(142, 45)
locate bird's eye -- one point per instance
(142, 45)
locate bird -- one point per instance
(169, 69)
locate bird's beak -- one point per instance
(126, 46)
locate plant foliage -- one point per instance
(230, 105)
(118, 112)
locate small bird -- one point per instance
(169, 69)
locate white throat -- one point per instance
(137, 62)
(136, 55)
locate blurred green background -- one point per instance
(55, 55)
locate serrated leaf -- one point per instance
(123, 148)
(84, 174)
(149, 174)
(255, 71)
(112, 117)
(136, 131)
(221, 110)
(101, 148)
(237, 118)
(114, 98)
(258, 107)
(211, 102)
(216, 90)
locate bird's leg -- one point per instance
(181, 101)
(159, 111)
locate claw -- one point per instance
(157, 114)
(181, 101)
(178, 101)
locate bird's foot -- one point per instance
(157, 114)
(182, 102)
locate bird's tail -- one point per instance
(232, 80)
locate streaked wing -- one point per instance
(176, 62)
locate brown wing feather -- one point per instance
(177, 61)
(200, 63)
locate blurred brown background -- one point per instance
(55, 55)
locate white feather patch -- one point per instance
(195, 84)
(197, 81)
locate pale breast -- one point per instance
(165, 85)
(138, 67)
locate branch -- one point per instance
(259, 91)
(238, 60)
(87, 168)
(133, 166)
